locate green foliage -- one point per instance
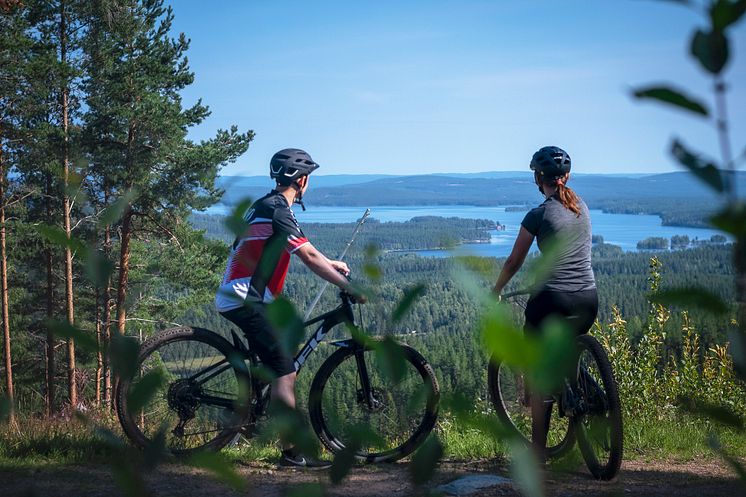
(710, 48)
(425, 460)
(704, 170)
(672, 97)
(220, 467)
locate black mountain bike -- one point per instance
(587, 409)
(211, 394)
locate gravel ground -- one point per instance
(655, 478)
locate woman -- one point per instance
(561, 223)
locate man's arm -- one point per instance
(323, 267)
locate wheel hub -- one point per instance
(375, 405)
(183, 397)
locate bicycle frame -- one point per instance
(341, 314)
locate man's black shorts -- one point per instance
(262, 339)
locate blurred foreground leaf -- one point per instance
(4, 409)
(235, 222)
(287, 322)
(143, 389)
(220, 467)
(672, 97)
(289, 426)
(425, 460)
(690, 297)
(726, 12)
(705, 171)
(115, 211)
(408, 299)
(738, 352)
(734, 463)
(124, 351)
(306, 490)
(391, 357)
(58, 237)
(732, 219)
(557, 357)
(342, 463)
(505, 341)
(97, 267)
(63, 329)
(710, 48)
(524, 467)
(719, 413)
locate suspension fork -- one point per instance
(362, 370)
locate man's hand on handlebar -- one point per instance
(341, 267)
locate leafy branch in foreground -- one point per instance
(710, 47)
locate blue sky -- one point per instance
(413, 87)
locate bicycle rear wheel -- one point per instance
(201, 400)
(511, 400)
(599, 424)
(390, 424)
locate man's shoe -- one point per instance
(289, 459)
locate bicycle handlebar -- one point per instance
(523, 291)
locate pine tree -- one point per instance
(136, 127)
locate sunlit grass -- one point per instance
(677, 436)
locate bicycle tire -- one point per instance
(605, 418)
(167, 351)
(515, 415)
(337, 411)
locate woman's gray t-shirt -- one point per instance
(567, 237)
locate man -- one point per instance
(256, 273)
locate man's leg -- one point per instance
(283, 390)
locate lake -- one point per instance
(624, 230)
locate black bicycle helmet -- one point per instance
(551, 162)
(289, 164)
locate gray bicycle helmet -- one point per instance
(551, 162)
(289, 164)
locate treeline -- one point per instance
(422, 232)
(97, 179)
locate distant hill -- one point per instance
(678, 197)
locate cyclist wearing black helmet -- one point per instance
(562, 222)
(256, 271)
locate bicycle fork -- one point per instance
(366, 391)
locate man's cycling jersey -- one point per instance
(260, 258)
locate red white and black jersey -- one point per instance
(260, 258)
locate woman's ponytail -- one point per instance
(567, 197)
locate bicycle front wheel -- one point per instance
(361, 402)
(599, 424)
(511, 400)
(201, 399)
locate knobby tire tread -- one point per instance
(329, 439)
(129, 425)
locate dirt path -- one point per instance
(694, 479)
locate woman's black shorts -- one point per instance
(578, 308)
(263, 340)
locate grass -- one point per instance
(39, 442)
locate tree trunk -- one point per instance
(50, 345)
(107, 318)
(72, 383)
(124, 265)
(5, 300)
(99, 353)
(739, 257)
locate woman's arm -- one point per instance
(515, 260)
